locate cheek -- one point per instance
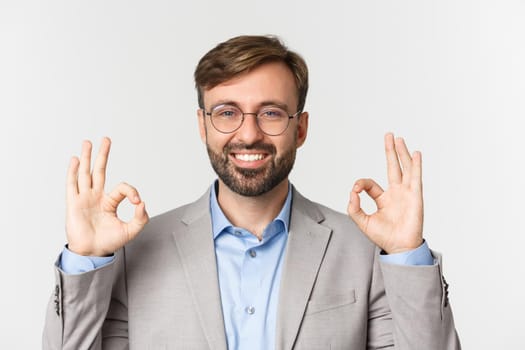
(216, 142)
(287, 143)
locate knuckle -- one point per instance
(125, 186)
(128, 189)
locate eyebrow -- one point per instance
(261, 105)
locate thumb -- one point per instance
(356, 212)
(139, 220)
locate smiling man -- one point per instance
(252, 264)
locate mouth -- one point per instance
(249, 157)
(249, 160)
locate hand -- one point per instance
(92, 225)
(397, 225)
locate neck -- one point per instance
(252, 213)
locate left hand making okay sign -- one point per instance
(397, 225)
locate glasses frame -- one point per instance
(256, 115)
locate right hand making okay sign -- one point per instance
(92, 225)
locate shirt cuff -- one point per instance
(418, 256)
(73, 263)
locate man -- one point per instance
(251, 264)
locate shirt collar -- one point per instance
(220, 222)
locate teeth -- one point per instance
(249, 157)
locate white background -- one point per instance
(447, 75)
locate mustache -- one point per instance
(260, 146)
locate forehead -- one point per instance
(268, 82)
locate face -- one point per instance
(248, 161)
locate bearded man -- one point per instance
(252, 264)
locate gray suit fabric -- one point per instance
(162, 291)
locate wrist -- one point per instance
(403, 249)
(79, 250)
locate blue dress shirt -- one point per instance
(249, 277)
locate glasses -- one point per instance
(271, 120)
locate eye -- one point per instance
(272, 113)
(226, 112)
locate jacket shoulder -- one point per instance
(162, 227)
(344, 230)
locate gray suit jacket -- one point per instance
(162, 291)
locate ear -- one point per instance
(302, 128)
(202, 124)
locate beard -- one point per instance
(252, 182)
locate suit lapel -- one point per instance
(306, 246)
(197, 251)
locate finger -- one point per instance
(99, 168)
(84, 174)
(417, 171)
(72, 178)
(370, 187)
(404, 156)
(392, 161)
(124, 190)
(138, 221)
(356, 212)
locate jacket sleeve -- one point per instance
(88, 310)
(414, 307)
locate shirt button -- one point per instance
(250, 310)
(253, 254)
(238, 233)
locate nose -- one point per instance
(249, 132)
